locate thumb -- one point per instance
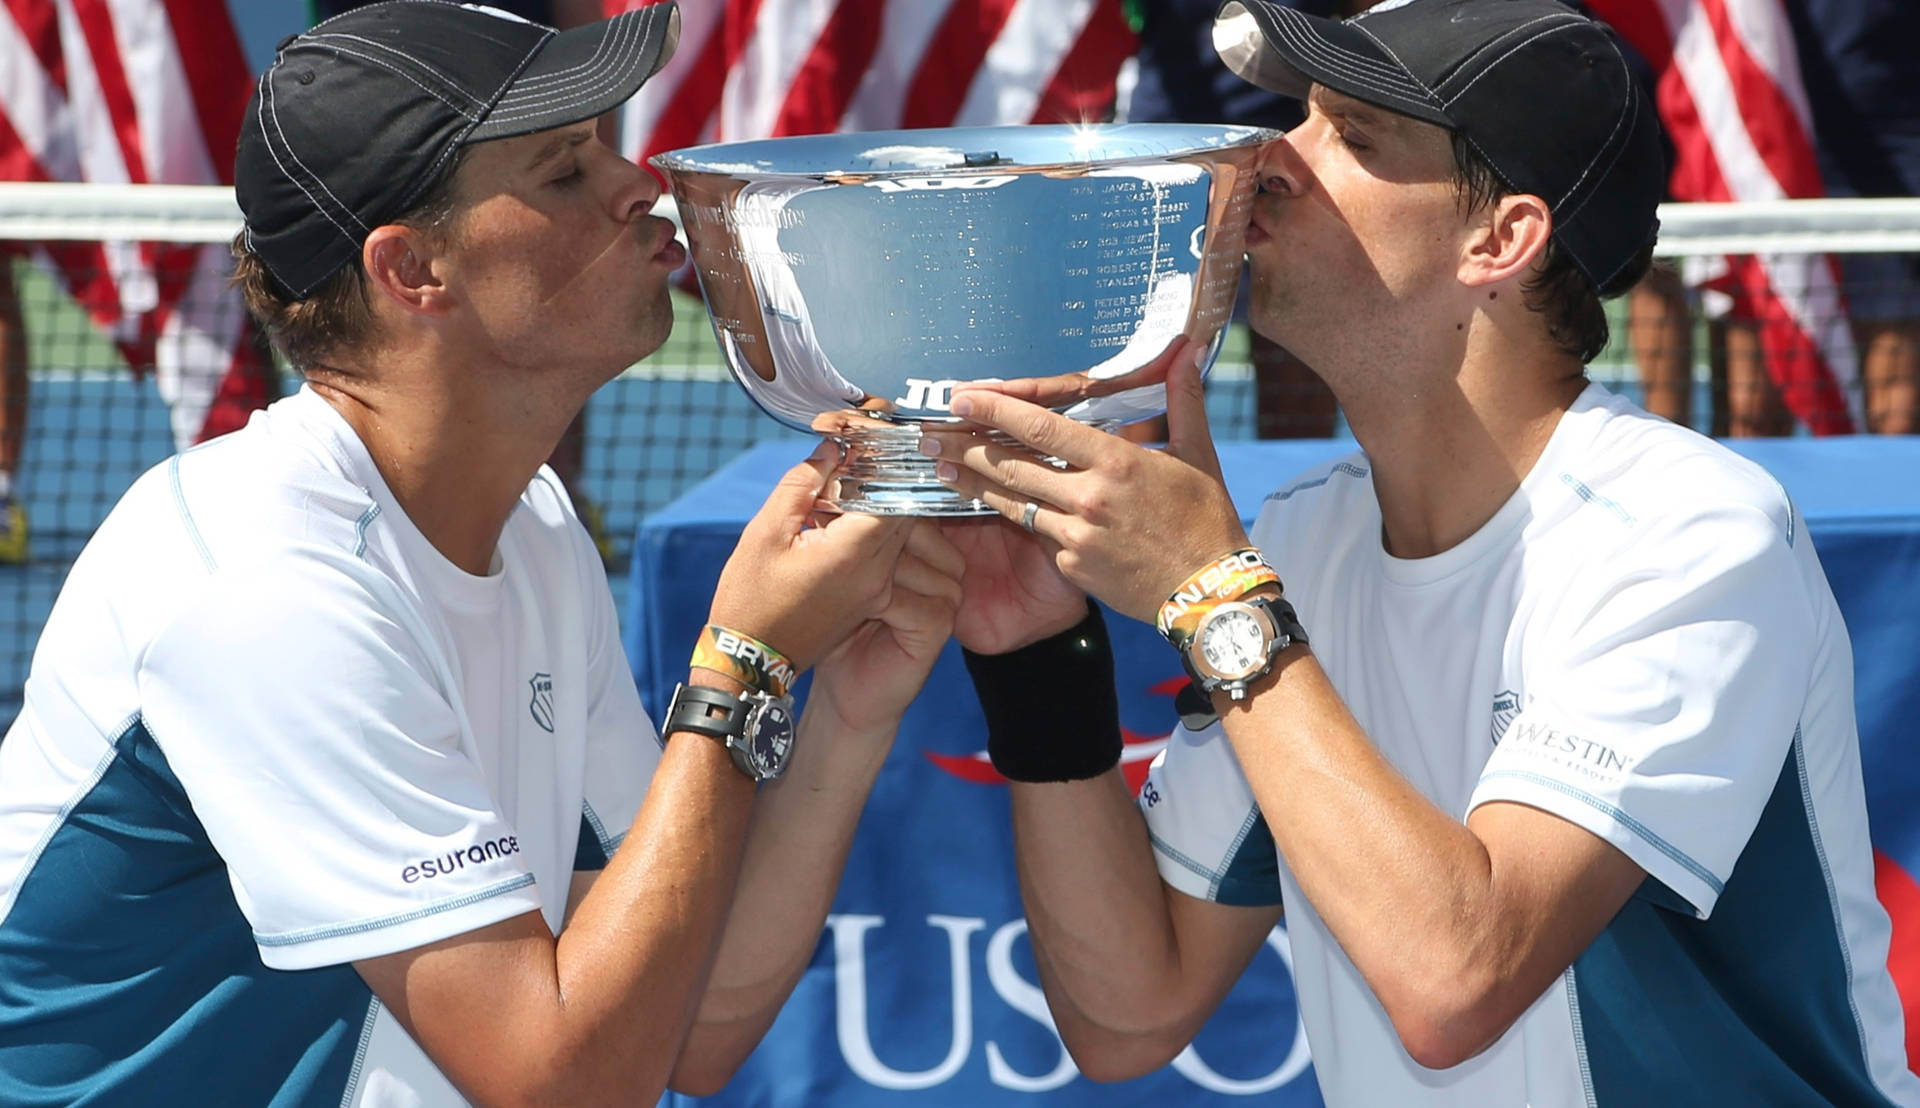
(797, 495)
(1189, 438)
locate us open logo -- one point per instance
(542, 703)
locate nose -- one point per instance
(634, 190)
(1281, 171)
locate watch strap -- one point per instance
(689, 712)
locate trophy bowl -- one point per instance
(855, 279)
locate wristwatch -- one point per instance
(756, 728)
(1236, 642)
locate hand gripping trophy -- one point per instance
(855, 279)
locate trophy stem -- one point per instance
(885, 474)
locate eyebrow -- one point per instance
(1359, 110)
(552, 148)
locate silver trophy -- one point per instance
(855, 279)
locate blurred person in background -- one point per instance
(1857, 61)
(1807, 98)
(331, 784)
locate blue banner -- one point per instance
(923, 983)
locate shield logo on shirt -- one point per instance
(542, 703)
(1506, 705)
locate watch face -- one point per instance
(769, 737)
(1233, 644)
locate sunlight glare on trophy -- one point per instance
(854, 280)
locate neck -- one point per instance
(451, 445)
(1447, 453)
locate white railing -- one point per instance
(202, 213)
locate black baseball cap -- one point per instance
(357, 117)
(1544, 94)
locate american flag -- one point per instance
(763, 68)
(139, 92)
(1731, 96)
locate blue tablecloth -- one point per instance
(924, 980)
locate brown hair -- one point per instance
(1576, 321)
(337, 314)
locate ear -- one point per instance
(400, 270)
(1505, 239)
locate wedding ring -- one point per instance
(1027, 513)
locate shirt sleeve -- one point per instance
(1660, 716)
(623, 746)
(1209, 838)
(304, 711)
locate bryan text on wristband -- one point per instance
(1227, 578)
(743, 658)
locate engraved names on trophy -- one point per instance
(1121, 243)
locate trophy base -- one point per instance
(884, 474)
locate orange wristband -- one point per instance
(743, 658)
(1229, 578)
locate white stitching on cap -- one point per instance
(1494, 43)
(267, 102)
(592, 59)
(1344, 62)
(1408, 70)
(1495, 63)
(522, 108)
(608, 74)
(606, 54)
(493, 98)
(398, 72)
(1632, 112)
(1354, 65)
(333, 43)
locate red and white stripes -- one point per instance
(1731, 96)
(138, 91)
(762, 68)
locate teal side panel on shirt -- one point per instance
(588, 854)
(1252, 876)
(1749, 1007)
(129, 976)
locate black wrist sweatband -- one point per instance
(1052, 712)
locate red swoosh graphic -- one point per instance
(1137, 751)
(1900, 895)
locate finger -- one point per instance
(1189, 437)
(930, 544)
(1012, 507)
(1048, 392)
(911, 613)
(795, 498)
(1013, 468)
(1050, 433)
(917, 575)
(1070, 388)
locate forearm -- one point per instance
(803, 826)
(1409, 891)
(631, 964)
(1103, 938)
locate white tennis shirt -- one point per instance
(269, 730)
(1641, 642)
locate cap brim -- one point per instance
(584, 72)
(1288, 52)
